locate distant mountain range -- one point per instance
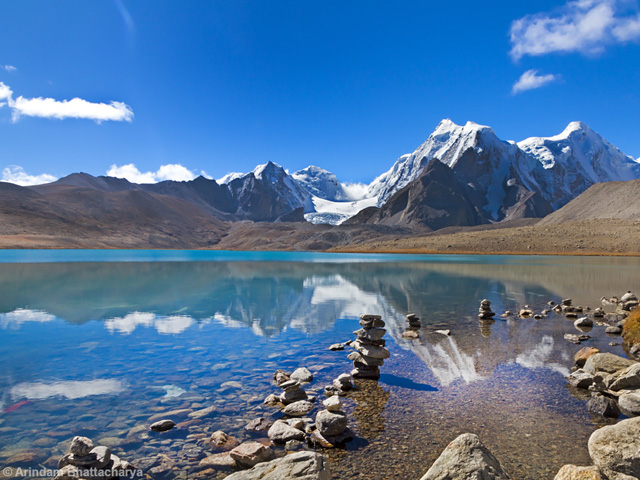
(461, 176)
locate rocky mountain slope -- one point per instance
(436, 199)
(611, 200)
(69, 216)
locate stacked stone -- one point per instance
(413, 320)
(369, 345)
(485, 310)
(331, 424)
(84, 456)
(292, 392)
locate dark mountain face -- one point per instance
(248, 198)
(80, 216)
(436, 199)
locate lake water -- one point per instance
(96, 342)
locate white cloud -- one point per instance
(531, 80)
(62, 109)
(19, 316)
(174, 171)
(585, 26)
(171, 325)
(5, 92)
(9, 68)
(16, 174)
(171, 171)
(355, 191)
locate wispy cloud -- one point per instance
(16, 174)
(9, 68)
(62, 109)
(531, 80)
(171, 171)
(585, 26)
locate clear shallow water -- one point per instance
(98, 341)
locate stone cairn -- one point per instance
(369, 345)
(485, 310)
(84, 459)
(331, 424)
(414, 326)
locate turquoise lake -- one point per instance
(95, 343)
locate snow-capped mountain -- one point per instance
(502, 179)
(333, 202)
(320, 183)
(500, 174)
(567, 164)
(268, 192)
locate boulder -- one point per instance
(605, 406)
(219, 461)
(630, 403)
(615, 449)
(581, 356)
(466, 458)
(301, 466)
(331, 423)
(282, 432)
(606, 362)
(580, 379)
(583, 322)
(572, 472)
(249, 454)
(302, 375)
(298, 409)
(628, 378)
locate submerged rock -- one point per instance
(466, 458)
(301, 466)
(162, 426)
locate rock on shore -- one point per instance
(615, 449)
(301, 466)
(466, 458)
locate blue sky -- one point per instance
(222, 86)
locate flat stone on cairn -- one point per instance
(292, 392)
(485, 312)
(414, 321)
(369, 345)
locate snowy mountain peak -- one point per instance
(320, 183)
(447, 143)
(269, 171)
(229, 177)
